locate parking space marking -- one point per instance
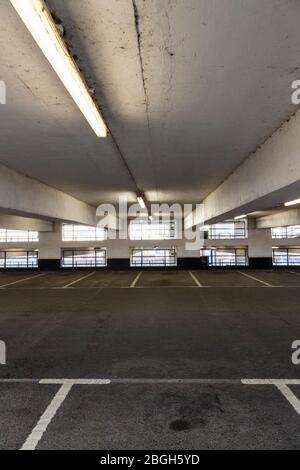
(66, 385)
(76, 381)
(282, 386)
(197, 282)
(256, 279)
(133, 284)
(22, 280)
(293, 272)
(290, 396)
(77, 280)
(270, 381)
(46, 418)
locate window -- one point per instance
(286, 256)
(229, 230)
(153, 257)
(91, 257)
(18, 259)
(292, 231)
(11, 236)
(144, 230)
(226, 256)
(80, 233)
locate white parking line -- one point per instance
(22, 280)
(256, 279)
(290, 396)
(275, 382)
(197, 282)
(77, 280)
(46, 418)
(66, 385)
(282, 386)
(76, 381)
(294, 272)
(136, 279)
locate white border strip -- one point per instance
(76, 381)
(256, 279)
(23, 280)
(275, 382)
(77, 280)
(46, 418)
(195, 279)
(134, 282)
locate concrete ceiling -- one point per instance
(189, 89)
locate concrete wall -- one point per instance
(269, 177)
(24, 196)
(259, 244)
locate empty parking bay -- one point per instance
(21, 405)
(165, 279)
(16, 278)
(47, 280)
(177, 416)
(108, 279)
(276, 278)
(220, 278)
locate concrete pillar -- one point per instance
(50, 248)
(259, 246)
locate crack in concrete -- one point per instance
(138, 35)
(142, 67)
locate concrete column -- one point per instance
(259, 246)
(50, 248)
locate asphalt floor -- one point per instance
(169, 352)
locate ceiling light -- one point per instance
(41, 25)
(292, 203)
(141, 202)
(240, 217)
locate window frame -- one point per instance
(28, 255)
(162, 230)
(72, 228)
(215, 260)
(11, 236)
(143, 259)
(75, 265)
(239, 231)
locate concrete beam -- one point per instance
(24, 196)
(14, 222)
(280, 219)
(267, 179)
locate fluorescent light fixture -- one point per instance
(141, 202)
(292, 203)
(41, 25)
(240, 217)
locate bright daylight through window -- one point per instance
(160, 230)
(12, 236)
(78, 233)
